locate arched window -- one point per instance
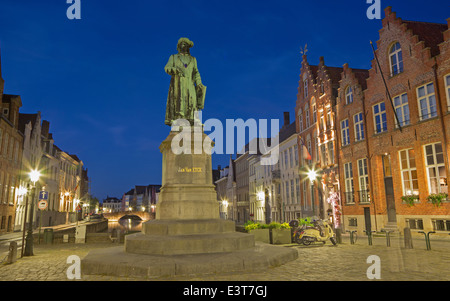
(348, 95)
(396, 59)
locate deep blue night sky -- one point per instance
(100, 81)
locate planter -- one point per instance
(262, 235)
(410, 200)
(281, 236)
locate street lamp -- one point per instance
(34, 177)
(312, 175)
(23, 191)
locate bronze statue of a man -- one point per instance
(186, 92)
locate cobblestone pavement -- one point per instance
(344, 262)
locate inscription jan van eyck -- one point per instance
(188, 169)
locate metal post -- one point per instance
(369, 236)
(40, 226)
(427, 238)
(24, 227)
(388, 238)
(352, 242)
(29, 239)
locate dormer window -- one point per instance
(396, 59)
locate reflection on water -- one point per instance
(127, 225)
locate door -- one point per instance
(389, 189)
(367, 220)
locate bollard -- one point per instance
(388, 238)
(408, 238)
(352, 241)
(338, 236)
(427, 238)
(369, 236)
(12, 254)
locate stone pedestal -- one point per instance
(187, 190)
(187, 214)
(187, 236)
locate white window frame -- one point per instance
(447, 90)
(398, 55)
(380, 114)
(314, 110)
(307, 120)
(345, 132)
(330, 147)
(410, 170)
(430, 101)
(358, 122)
(300, 120)
(349, 188)
(436, 166)
(363, 180)
(348, 95)
(401, 106)
(329, 119)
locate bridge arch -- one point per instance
(116, 216)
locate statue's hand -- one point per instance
(179, 72)
(200, 85)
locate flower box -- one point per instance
(281, 236)
(262, 235)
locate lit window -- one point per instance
(409, 172)
(396, 59)
(434, 162)
(427, 101)
(348, 174)
(401, 109)
(379, 115)
(363, 181)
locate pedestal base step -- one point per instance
(180, 227)
(116, 262)
(140, 243)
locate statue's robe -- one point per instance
(182, 99)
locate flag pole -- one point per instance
(385, 85)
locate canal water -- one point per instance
(126, 225)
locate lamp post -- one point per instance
(34, 177)
(312, 175)
(23, 192)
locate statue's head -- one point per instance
(184, 44)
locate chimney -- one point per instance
(286, 119)
(45, 128)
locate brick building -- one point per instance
(10, 156)
(395, 138)
(315, 122)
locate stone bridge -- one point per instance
(115, 216)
